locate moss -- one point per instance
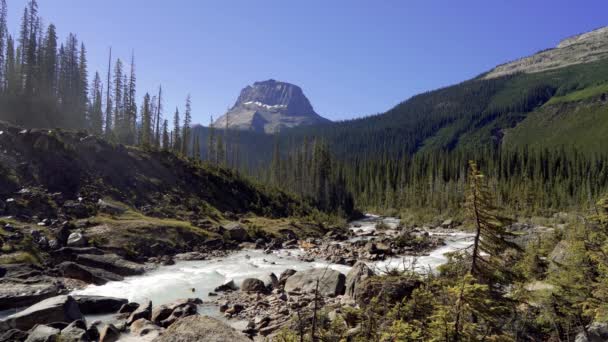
(19, 258)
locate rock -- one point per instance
(330, 282)
(200, 328)
(160, 313)
(110, 208)
(355, 276)
(110, 262)
(13, 335)
(271, 281)
(144, 311)
(235, 309)
(236, 231)
(449, 223)
(18, 294)
(226, 287)
(95, 305)
(128, 308)
(143, 327)
(559, 254)
(55, 309)
(253, 285)
(597, 332)
(87, 274)
(75, 332)
(76, 240)
(2, 271)
(43, 333)
(284, 275)
(109, 333)
(76, 209)
(392, 289)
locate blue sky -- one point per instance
(352, 58)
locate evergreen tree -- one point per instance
(131, 103)
(96, 111)
(108, 120)
(49, 62)
(177, 145)
(83, 87)
(158, 116)
(146, 122)
(120, 124)
(211, 143)
(3, 43)
(186, 129)
(165, 142)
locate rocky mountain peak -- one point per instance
(269, 106)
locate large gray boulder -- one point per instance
(143, 311)
(109, 333)
(253, 285)
(355, 276)
(75, 332)
(17, 294)
(76, 239)
(200, 328)
(95, 305)
(43, 333)
(235, 231)
(51, 310)
(110, 262)
(87, 274)
(330, 282)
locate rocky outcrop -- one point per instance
(95, 305)
(200, 328)
(15, 293)
(355, 277)
(596, 332)
(43, 333)
(269, 106)
(583, 48)
(110, 262)
(327, 281)
(87, 274)
(51, 310)
(389, 290)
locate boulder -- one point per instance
(330, 282)
(109, 333)
(16, 294)
(235, 231)
(355, 276)
(160, 313)
(13, 335)
(110, 208)
(253, 285)
(200, 328)
(558, 255)
(271, 281)
(75, 332)
(76, 209)
(55, 309)
(284, 275)
(87, 274)
(110, 262)
(128, 308)
(449, 223)
(95, 305)
(596, 332)
(143, 327)
(227, 286)
(76, 239)
(144, 311)
(392, 289)
(43, 333)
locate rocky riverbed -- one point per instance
(256, 290)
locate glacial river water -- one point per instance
(168, 283)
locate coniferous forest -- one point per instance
(120, 218)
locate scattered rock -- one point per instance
(109, 333)
(94, 305)
(76, 240)
(597, 332)
(55, 309)
(143, 327)
(355, 276)
(253, 285)
(75, 332)
(330, 282)
(144, 311)
(43, 333)
(227, 286)
(200, 328)
(284, 275)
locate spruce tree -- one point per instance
(211, 143)
(108, 118)
(177, 145)
(96, 112)
(186, 131)
(3, 43)
(146, 122)
(165, 137)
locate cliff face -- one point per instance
(583, 48)
(269, 106)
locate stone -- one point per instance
(128, 308)
(95, 305)
(13, 335)
(330, 282)
(271, 281)
(235, 231)
(109, 333)
(43, 333)
(200, 328)
(76, 240)
(75, 332)
(284, 275)
(143, 327)
(76, 209)
(160, 313)
(226, 287)
(55, 309)
(87, 274)
(355, 276)
(253, 285)
(393, 289)
(597, 332)
(144, 311)
(17, 294)
(110, 262)
(110, 208)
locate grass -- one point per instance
(580, 95)
(20, 257)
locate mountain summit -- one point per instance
(269, 106)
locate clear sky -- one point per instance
(352, 58)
